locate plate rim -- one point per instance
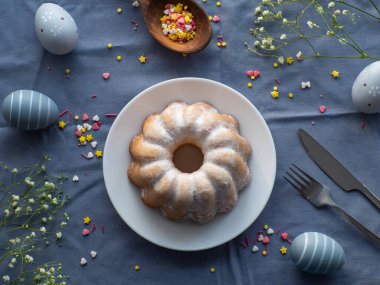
(141, 94)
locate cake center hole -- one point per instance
(188, 158)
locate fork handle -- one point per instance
(370, 196)
(362, 228)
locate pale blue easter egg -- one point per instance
(29, 110)
(317, 253)
(56, 29)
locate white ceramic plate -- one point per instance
(149, 223)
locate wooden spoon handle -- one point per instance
(144, 4)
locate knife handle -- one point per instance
(370, 196)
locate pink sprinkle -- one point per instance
(266, 240)
(71, 117)
(322, 109)
(95, 126)
(256, 73)
(278, 231)
(93, 228)
(362, 125)
(247, 241)
(85, 232)
(63, 113)
(85, 117)
(250, 73)
(106, 75)
(93, 96)
(102, 228)
(220, 39)
(111, 115)
(215, 19)
(243, 244)
(278, 81)
(78, 133)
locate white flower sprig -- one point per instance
(29, 219)
(326, 20)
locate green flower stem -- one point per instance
(358, 9)
(373, 4)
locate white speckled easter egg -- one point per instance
(29, 110)
(317, 253)
(56, 29)
(366, 89)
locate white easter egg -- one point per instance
(366, 89)
(317, 253)
(56, 29)
(29, 110)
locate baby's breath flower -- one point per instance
(49, 196)
(15, 198)
(279, 2)
(281, 60)
(331, 5)
(52, 269)
(32, 234)
(44, 220)
(11, 265)
(45, 206)
(14, 204)
(343, 41)
(14, 170)
(260, 19)
(312, 25)
(320, 10)
(17, 210)
(329, 33)
(31, 201)
(58, 235)
(63, 224)
(283, 37)
(50, 218)
(15, 241)
(13, 260)
(345, 12)
(257, 10)
(29, 209)
(42, 270)
(6, 212)
(279, 14)
(6, 278)
(284, 21)
(261, 29)
(337, 12)
(266, 13)
(54, 201)
(272, 47)
(42, 229)
(29, 258)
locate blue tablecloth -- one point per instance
(24, 65)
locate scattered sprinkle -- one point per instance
(83, 261)
(299, 56)
(283, 250)
(212, 269)
(142, 59)
(68, 70)
(255, 249)
(243, 244)
(87, 220)
(260, 238)
(289, 60)
(95, 118)
(63, 113)
(290, 95)
(106, 75)
(119, 10)
(93, 96)
(266, 226)
(85, 117)
(136, 4)
(284, 235)
(275, 88)
(89, 138)
(61, 124)
(109, 45)
(111, 115)
(322, 109)
(137, 267)
(275, 65)
(93, 253)
(265, 253)
(76, 117)
(99, 153)
(96, 126)
(102, 228)
(215, 19)
(275, 94)
(135, 25)
(210, 18)
(335, 74)
(89, 155)
(119, 58)
(252, 77)
(82, 139)
(277, 81)
(362, 125)
(249, 85)
(218, 4)
(306, 84)
(85, 232)
(270, 231)
(75, 178)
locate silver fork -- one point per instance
(319, 195)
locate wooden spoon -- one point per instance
(153, 10)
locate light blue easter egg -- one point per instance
(56, 29)
(317, 253)
(366, 89)
(29, 110)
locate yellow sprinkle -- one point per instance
(266, 227)
(82, 139)
(142, 59)
(212, 269)
(290, 95)
(118, 58)
(224, 44)
(119, 10)
(218, 4)
(83, 130)
(275, 88)
(137, 267)
(204, 1)
(86, 220)
(274, 94)
(283, 250)
(99, 153)
(185, 7)
(89, 138)
(210, 18)
(61, 124)
(68, 70)
(218, 44)
(289, 60)
(249, 85)
(109, 45)
(253, 77)
(265, 253)
(275, 65)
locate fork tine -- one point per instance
(304, 173)
(300, 176)
(291, 183)
(296, 180)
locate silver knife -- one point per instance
(333, 168)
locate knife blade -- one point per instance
(333, 168)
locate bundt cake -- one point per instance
(199, 195)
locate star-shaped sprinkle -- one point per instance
(82, 139)
(98, 153)
(142, 59)
(283, 250)
(89, 138)
(335, 74)
(86, 220)
(62, 124)
(289, 60)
